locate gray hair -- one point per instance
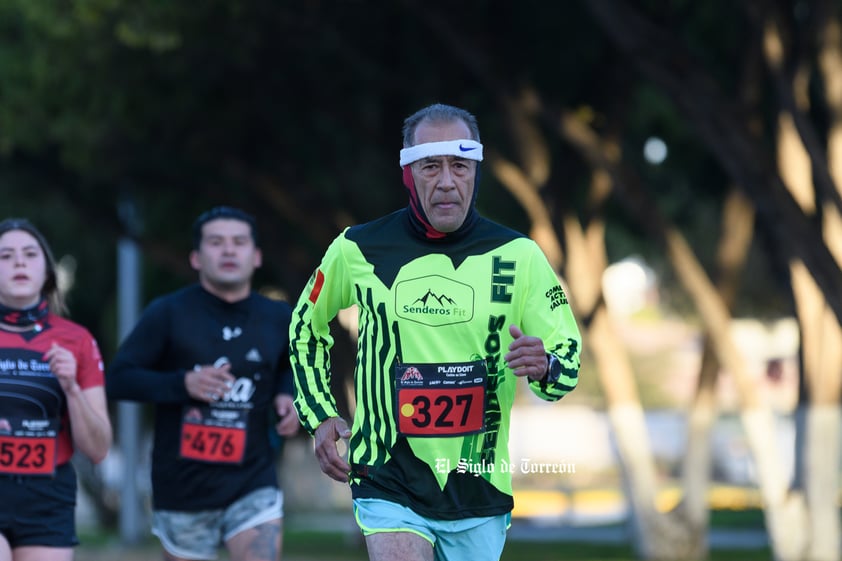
(438, 113)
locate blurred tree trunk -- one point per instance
(756, 417)
(791, 223)
(818, 412)
(735, 240)
(656, 536)
(824, 420)
(734, 243)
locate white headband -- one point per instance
(468, 149)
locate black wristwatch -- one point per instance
(553, 369)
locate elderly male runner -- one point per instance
(453, 310)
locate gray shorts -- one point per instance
(199, 534)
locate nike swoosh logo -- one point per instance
(467, 149)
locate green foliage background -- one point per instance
(293, 111)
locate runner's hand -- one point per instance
(327, 435)
(209, 383)
(288, 423)
(526, 356)
(63, 365)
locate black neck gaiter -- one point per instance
(27, 316)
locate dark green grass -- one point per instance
(595, 552)
(333, 547)
(308, 545)
(750, 518)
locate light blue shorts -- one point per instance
(477, 539)
(199, 534)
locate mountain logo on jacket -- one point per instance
(442, 300)
(434, 300)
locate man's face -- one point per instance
(227, 257)
(445, 184)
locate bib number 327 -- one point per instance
(441, 399)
